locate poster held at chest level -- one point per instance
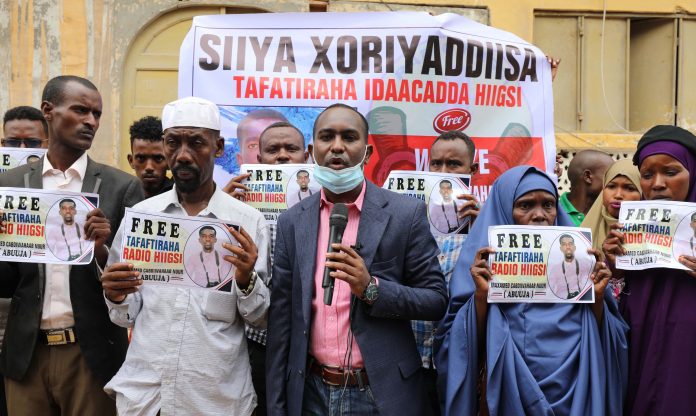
(540, 264)
(275, 188)
(178, 251)
(439, 191)
(412, 75)
(656, 233)
(11, 157)
(46, 226)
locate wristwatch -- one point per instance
(371, 292)
(252, 281)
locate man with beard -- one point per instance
(147, 156)
(188, 354)
(60, 346)
(65, 239)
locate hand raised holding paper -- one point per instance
(243, 256)
(470, 208)
(119, 280)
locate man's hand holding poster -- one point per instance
(11, 157)
(656, 233)
(43, 226)
(275, 188)
(442, 193)
(174, 250)
(540, 264)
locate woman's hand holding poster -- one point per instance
(540, 264)
(656, 233)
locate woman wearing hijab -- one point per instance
(658, 304)
(621, 183)
(535, 359)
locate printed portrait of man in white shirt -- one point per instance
(204, 259)
(569, 276)
(685, 237)
(443, 210)
(302, 190)
(64, 237)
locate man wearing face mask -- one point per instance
(358, 353)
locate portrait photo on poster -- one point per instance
(443, 207)
(65, 224)
(569, 266)
(300, 186)
(204, 256)
(685, 237)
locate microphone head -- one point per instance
(339, 216)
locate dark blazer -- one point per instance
(399, 250)
(103, 344)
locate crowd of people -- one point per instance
(409, 330)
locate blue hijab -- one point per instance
(541, 359)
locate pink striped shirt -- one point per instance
(330, 324)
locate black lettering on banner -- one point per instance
(409, 51)
(431, 59)
(513, 71)
(227, 53)
(352, 65)
(371, 49)
(529, 66)
(285, 56)
(212, 61)
(260, 50)
(321, 60)
(389, 49)
(454, 57)
(6, 160)
(241, 53)
(474, 59)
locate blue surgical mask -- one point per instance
(339, 181)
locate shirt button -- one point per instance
(304, 333)
(301, 372)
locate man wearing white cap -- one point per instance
(188, 354)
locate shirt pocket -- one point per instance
(220, 306)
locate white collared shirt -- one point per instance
(57, 310)
(188, 354)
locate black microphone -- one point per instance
(337, 224)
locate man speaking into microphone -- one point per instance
(356, 355)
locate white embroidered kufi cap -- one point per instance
(191, 112)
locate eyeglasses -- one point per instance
(31, 143)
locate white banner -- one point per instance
(411, 74)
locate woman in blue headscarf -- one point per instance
(522, 358)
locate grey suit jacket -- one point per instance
(399, 250)
(103, 344)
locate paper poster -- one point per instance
(439, 191)
(11, 157)
(412, 75)
(178, 251)
(45, 226)
(275, 188)
(656, 233)
(540, 264)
